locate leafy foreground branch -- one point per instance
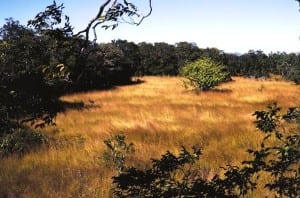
(178, 176)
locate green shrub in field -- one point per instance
(20, 141)
(203, 74)
(117, 152)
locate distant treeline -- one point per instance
(166, 59)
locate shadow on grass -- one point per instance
(63, 106)
(137, 81)
(215, 90)
(79, 106)
(49, 109)
(223, 90)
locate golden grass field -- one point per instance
(157, 115)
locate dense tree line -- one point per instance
(166, 59)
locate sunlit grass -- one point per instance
(156, 115)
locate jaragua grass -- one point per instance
(157, 115)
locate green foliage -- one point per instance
(281, 160)
(104, 67)
(119, 10)
(117, 152)
(55, 73)
(157, 59)
(255, 63)
(162, 180)
(186, 52)
(203, 74)
(286, 65)
(178, 176)
(49, 22)
(27, 92)
(267, 121)
(131, 55)
(20, 141)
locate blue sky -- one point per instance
(230, 25)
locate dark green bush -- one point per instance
(20, 141)
(117, 152)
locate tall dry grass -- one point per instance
(156, 115)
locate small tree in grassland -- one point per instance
(203, 74)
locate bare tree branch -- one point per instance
(114, 3)
(87, 29)
(149, 13)
(94, 30)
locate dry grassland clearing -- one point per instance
(157, 115)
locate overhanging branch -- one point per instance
(87, 29)
(147, 15)
(98, 19)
